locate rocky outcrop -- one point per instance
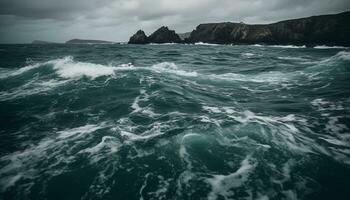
(164, 35)
(317, 30)
(138, 38)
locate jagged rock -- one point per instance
(164, 35)
(138, 38)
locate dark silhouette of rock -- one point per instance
(164, 35)
(316, 30)
(83, 41)
(138, 38)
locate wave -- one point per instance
(68, 68)
(340, 56)
(257, 45)
(291, 58)
(279, 46)
(265, 77)
(248, 54)
(169, 67)
(330, 47)
(206, 44)
(221, 185)
(163, 43)
(31, 88)
(54, 147)
(344, 55)
(287, 46)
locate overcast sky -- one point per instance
(22, 21)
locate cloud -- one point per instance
(116, 20)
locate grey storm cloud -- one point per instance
(116, 20)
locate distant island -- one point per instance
(83, 41)
(42, 42)
(331, 30)
(74, 41)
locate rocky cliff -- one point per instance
(316, 30)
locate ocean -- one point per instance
(173, 121)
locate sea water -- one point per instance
(174, 121)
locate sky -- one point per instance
(22, 21)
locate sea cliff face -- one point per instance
(317, 30)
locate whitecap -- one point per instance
(212, 109)
(248, 54)
(223, 184)
(270, 77)
(67, 68)
(257, 45)
(109, 142)
(32, 87)
(291, 58)
(329, 47)
(89, 128)
(25, 69)
(170, 43)
(168, 67)
(206, 44)
(135, 104)
(344, 55)
(287, 46)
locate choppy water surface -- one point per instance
(174, 122)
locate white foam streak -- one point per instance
(55, 148)
(89, 128)
(223, 184)
(291, 58)
(287, 46)
(329, 47)
(152, 133)
(206, 44)
(279, 46)
(24, 69)
(167, 67)
(31, 88)
(270, 77)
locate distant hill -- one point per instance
(42, 42)
(83, 41)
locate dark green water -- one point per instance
(174, 122)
